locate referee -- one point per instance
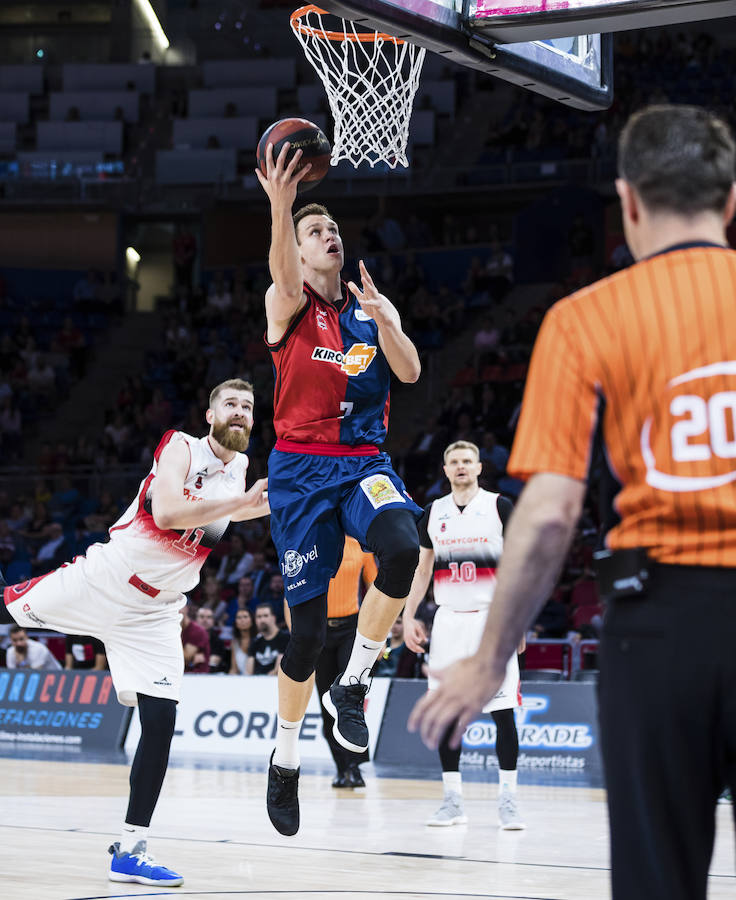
(646, 360)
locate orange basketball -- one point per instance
(302, 135)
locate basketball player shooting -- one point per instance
(128, 593)
(334, 347)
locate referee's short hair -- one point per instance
(679, 159)
(461, 445)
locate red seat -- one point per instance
(57, 645)
(584, 615)
(585, 593)
(548, 655)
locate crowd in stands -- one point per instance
(45, 348)
(665, 67)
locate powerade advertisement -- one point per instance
(70, 709)
(557, 726)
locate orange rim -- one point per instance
(365, 37)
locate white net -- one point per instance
(370, 80)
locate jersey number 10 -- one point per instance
(462, 572)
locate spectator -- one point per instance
(25, 653)
(41, 378)
(185, 253)
(243, 634)
(37, 529)
(53, 552)
(267, 648)
(85, 290)
(206, 619)
(236, 563)
(196, 643)
(500, 271)
(274, 595)
(242, 600)
(210, 596)
(493, 456)
(388, 663)
(10, 428)
(70, 342)
(84, 652)
(17, 518)
(8, 543)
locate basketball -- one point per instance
(302, 135)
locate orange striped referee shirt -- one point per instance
(342, 593)
(649, 354)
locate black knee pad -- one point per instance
(158, 717)
(394, 539)
(308, 635)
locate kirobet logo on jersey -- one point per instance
(353, 362)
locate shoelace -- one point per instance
(508, 805)
(144, 859)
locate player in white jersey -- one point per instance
(128, 593)
(461, 541)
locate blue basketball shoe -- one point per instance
(137, 866)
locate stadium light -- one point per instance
(132, 255)
(149, 14)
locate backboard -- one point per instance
(528, 42)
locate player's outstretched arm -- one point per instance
(285, 296)
(169, 505)
(415, 634)
(399, 351)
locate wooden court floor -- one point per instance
(57, 819)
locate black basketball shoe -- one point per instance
(282, 801)
(344, 702)
(355, 776)
(342, 780)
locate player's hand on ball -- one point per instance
(282, 178)
(373, 303)
(464, 689)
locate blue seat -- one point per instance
(18, 570)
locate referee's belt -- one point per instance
(341, 620)
(143, 587)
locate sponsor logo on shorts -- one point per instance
(380, 490)
(32, 616)
(294, 561)
(352, 362)
(296, 584)
(164, 682)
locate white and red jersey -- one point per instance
(171, 559)
(467, 545)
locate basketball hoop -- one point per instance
(370, 79)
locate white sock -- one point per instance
(287, 744)
(507, 780)
(452, 783)
(365, 653)
(130, 835)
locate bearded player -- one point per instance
(128, 593)
(334, 347)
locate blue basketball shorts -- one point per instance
(315, 501)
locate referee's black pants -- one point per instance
(667, 708)
(332, 662)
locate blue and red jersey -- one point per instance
(331, 377)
